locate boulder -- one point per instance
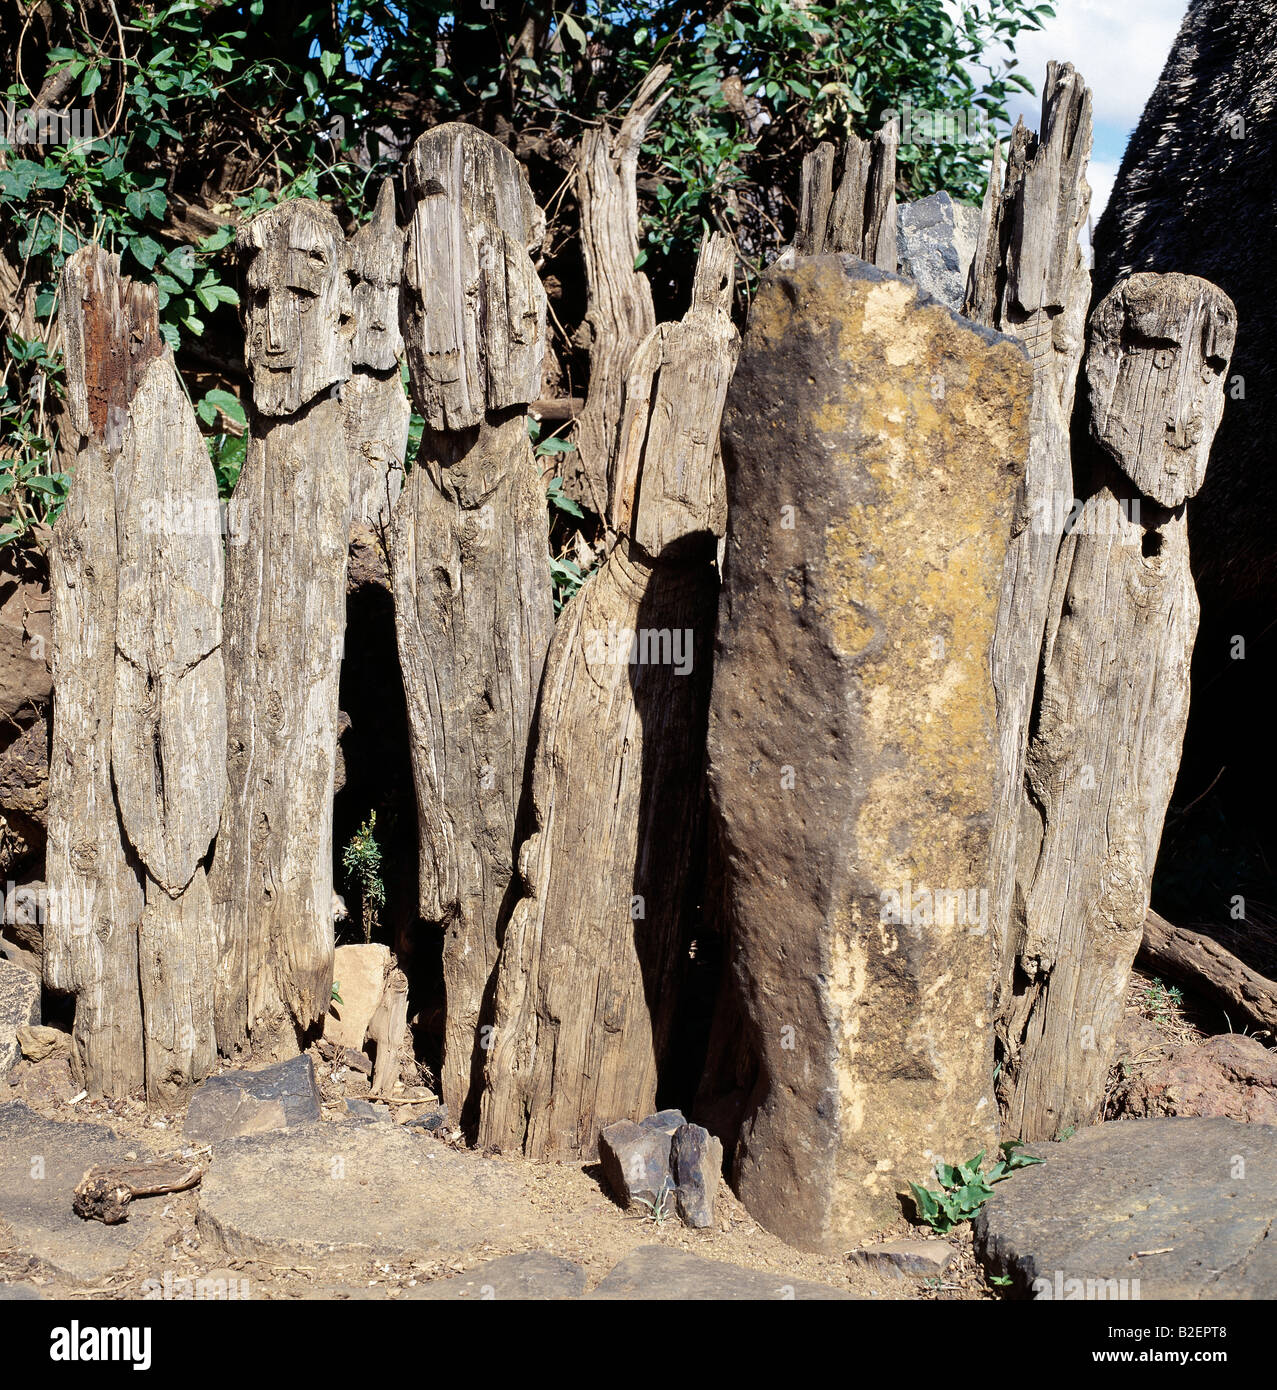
(359, 973)
(1231, 1076)
(636, 1163)
(249, 1102)
(19, 1008)
(696, 1163)
(1140, 1209)
(936, 240)
(874, 443)
(39, 1042)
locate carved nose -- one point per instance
(1185, 430)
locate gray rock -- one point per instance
(659, 1273)
(936, 243)
(338, 1194)
(251, 1102)
(1186, 1207)
(40, 1163)
(534, 1276)
(667, 1121)
(696, 1162)
(19, 1007)
(357, 1109)
(896, 1258)
(432, 1122)
(19, 1293)
(636, 1162)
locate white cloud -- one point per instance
(1120, 49)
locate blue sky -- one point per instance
(1119, 47)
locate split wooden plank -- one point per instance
(1110, 717)
(591, 961)
(468, 550)
(1028, 281)
(857, 211)
(619, 313)
(284, 618)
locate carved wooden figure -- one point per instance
(377, 409)
(469, 540)
(284, 620)
(591, 961)
(137, 776)
(1110, 721)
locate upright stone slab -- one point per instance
(468, 552)
(1113, 693)
(874, 443)
(285, 618)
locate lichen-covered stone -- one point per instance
(874, 443)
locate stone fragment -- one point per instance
(696, 1162)
(936, 240)
(359, 972)
(636, 1163)
(19, 1008)
(896, 1258)
(39, 1042)
(667, 1121)
(660, 1273)
(250, 1102)
(356, 1109)
(433, 1122)
(536, 1275)
(874, 443)
(1140, 1209)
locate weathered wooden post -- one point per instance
(873, 445)
(377, 409)
(1114, 698)
(592, 957)
(619, 313)
(284, 625)
(469, 547)
(1028, 281)
(137, 777)
(855, 212)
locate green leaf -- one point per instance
(146, 251)
(228, 404)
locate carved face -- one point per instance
(297, 321)
(1160, 348)
(472, 307)
(376, 263)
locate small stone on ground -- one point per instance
(252, 1102)
(537, 1275)
(657, 1272)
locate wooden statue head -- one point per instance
(376, 263)
(1159, 350)
(472, 308)
(297, 315)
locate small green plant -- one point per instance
(658, 1211)
(361, 861)
(336, 994)
(1159, 1002)
(1000, 1281)
(964, 1189)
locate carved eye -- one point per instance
(1163, 358)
